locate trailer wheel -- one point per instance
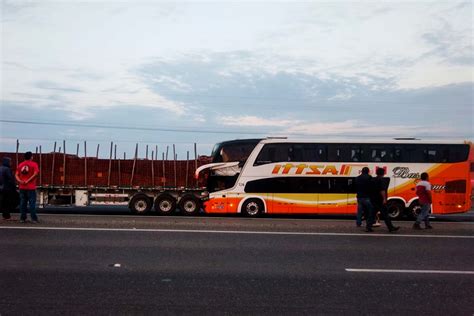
(189, 205)
(252, 208)
(165, 204)
(395, 208)
(140, 204)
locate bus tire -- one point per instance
(395, 209)
(414, 209)
(189, 205)
(140, 204)
(252, 208)
(165, 204)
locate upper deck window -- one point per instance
(313, 152)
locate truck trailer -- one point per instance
(150, 184)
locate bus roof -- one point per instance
(362, 141)
(240, 141)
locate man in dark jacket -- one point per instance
(379, 198)
(364, 205)
(7, 189)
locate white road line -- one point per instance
(225, 217)
(199, 217)
(230, 232)
(409, 271)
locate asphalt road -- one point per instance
(176, 265)
(123, 210)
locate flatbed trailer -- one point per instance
(144, 185)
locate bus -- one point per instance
(282, 176)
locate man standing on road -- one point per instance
(7, 189)
(364, 206)
(26, 174)
(423, 191)
(379, 199)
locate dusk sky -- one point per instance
(184, 72)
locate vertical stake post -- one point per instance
(110, 163)
(152, 169)
(52, 164)
(17, 148)
(174, 167)
(64, 162)
(40, 166)
(164, 170)
(187, 167)
(134, 165)
(196, 163)
(85, 163)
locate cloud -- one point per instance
(355, 128)
(66, 89)
(299, 67)
(247, 120)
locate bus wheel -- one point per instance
(414, 209)
(252, 208)
(395, 209)
(140, 204)
(189, 205)
(165, 204)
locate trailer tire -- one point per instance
(165, 204)
(189, 205)
(140, 204)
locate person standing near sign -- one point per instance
(26, 175)
(423, 191)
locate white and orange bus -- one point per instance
(281, 176)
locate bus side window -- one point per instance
(444, 154)
(296, 153)
(379, 154)
(321, 154)
(341, 185)
(458, 153)
(320, 185)
(338, 152)
(430, 155)
(264, 156)
(351, 185)
(414, 153)
(310, 153)
(396, 154)
(456, 186)
(356, 154)
(281, 153)
(273, 153)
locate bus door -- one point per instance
(455, 197)
(351, 196)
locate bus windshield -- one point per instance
(231, 151)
